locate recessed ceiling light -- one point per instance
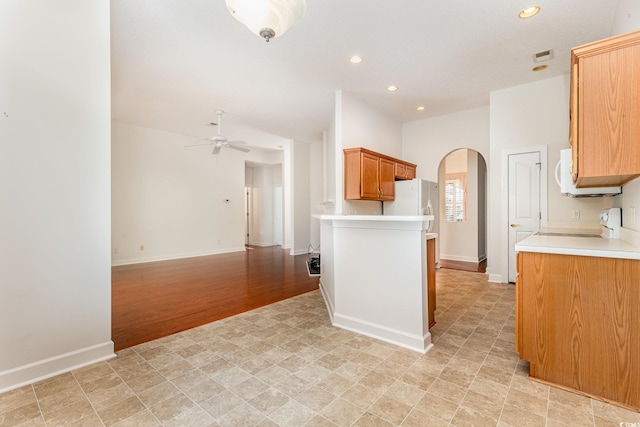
(420, 108)
(529, 12)
(355, 59)
(392, 88)
(539, 68)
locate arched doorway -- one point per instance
(462, 180)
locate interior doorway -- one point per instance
(264, 204)
(462, 181)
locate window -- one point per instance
(455, 192)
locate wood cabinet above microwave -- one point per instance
(605, 111)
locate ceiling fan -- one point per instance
(220, 141)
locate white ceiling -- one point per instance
(174, 62)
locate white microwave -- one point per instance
(568, 187)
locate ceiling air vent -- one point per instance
(543, 56)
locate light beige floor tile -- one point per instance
(370, 420)
(448, 390)
(243, 415)
(28, 413)
(390, 409)
(361, 396)
(405, 393)
(417, 418)
(66, 414)
(463, 379)
(527, 402)
(121, 410)
(316, 398)
(468, 417)
(319, 421)
(292, 414)
(437, 407)
(17, 398)
(158, 393)
(491, 406)
(513, 415)
(342, 413)
(221, 404)
(570, 415)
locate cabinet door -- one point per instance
(519, 304)
(401, 171)
(606, 127)
(370, 176)
(387, 179)
(411, 172)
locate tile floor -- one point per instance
(285, 365)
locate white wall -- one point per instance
(300, 198)
(532, 115)
(316, 189)
(427, 142)
(173, 200)
(359, 125)
(55, 276)
(627, 17)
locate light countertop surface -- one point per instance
(583, 246)
(403, 218)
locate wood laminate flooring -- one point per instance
(157, 299)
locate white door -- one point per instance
(524, 201)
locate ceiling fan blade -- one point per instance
(236, 142)
(235, 147)
(216, 149)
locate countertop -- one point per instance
(583, 246)
(376, 217)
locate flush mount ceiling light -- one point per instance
(529, 12)
(392, 88)
(420, 108)
(355, 59)
(539, 68)
(267, 18)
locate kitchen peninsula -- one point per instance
(374, 276)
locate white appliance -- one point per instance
(416, 197)
(568, 187)
(611, 221)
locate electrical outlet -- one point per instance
(575, 214)
(142, 247)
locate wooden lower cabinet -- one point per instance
(431, 280)
(578, 323)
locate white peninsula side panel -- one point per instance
(374, 276)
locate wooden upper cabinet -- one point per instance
(368, 175)
(605, 111)
(404, 170)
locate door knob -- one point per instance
(514, 225)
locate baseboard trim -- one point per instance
(496, 278)
(131, 261)
(476, 260)
(327, 302)
(50, 367)
(391, 336)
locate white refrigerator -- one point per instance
(416, 197)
